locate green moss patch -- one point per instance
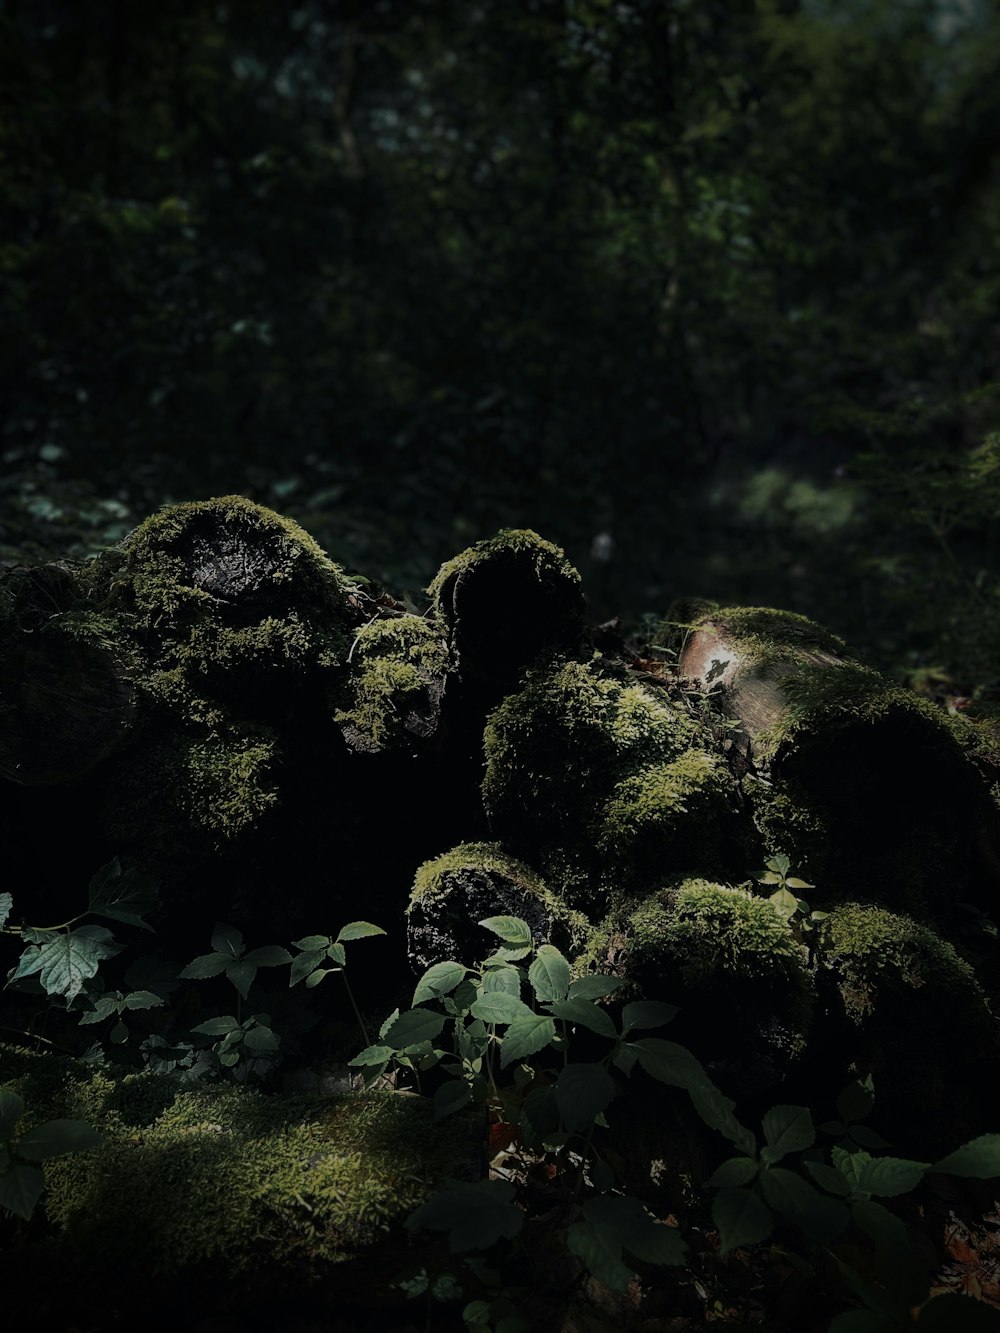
(391, 697)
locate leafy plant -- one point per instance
(22, 1180)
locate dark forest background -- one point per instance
(708, 292)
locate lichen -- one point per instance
(452, 893)
(226, 1178)
(393, 690)
(669, 817)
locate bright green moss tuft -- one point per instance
(225, 1178)
(762, 631)
(393, 690)
(546, 560)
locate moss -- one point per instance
(875, 952)
(214, 786)
(669, 817)
(553, 749)
(393, 691)
(763, 632)
(452, 893)
(220, 1177)
(547, 562)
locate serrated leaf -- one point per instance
(582, 1093)
(439, 980)
(358, 930)
(217, 1027)
(312, 943)
(337, 954)
(122, 895)
(241, 974)
(736, 1171)
(55, 1138)
(206, 965)
(647, 1014)
(314, 978)
(780, 863)
(20, 1189)
(586, 1014)
(784, 903)
(119, 1033)
(304, 963)
(389, 1022)
(229, 1058)
(787, 1129)
(142, 999)
(850, 1164)
(451, 1097)
(511, 929)
(828, 1178)
(6, 903)
(227, 940)
(539, 1115)
(740, 1218)
(611, 1224)
(414, 1026)
(11, 1110)
(594, 987)
(512, 953)
(104, 1008)
(500, 1007)
(261, 1039)
(503, 978)
(890, 1176)
(978, 1159)
(67, 959)
(268, 955)
(372, 1055)
(794, 882)
(526, 1035)
(475, 1216)
(867, 1137)
(549, 973)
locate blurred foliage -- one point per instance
(705, 290)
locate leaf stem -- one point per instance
(357, 1011)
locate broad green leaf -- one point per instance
(241, 974)
(867, 1137)
(794, 882)
(594, 987)
(6, 903)
(142, 999)
(218, 1027)
(227, 940)
(261, 1039)
(669, 1062)
(787, 1129)
(358, 930)
(388, 1022)
(586, 1014)
(20, 1189)
(475, 1216)
(539, 1115)
(451, 1097)
(55, 1138)
(439, 980)
(883, 1227)
(512, 953)
(525, 1036)
(305, 963)
(740, 1218)
(312, 943)
(337, 954)
(850, 1164)
(889, 1176)
(372, 1055)
(503, 978)
(414, 1026)
(735, 1171)
(828, 1178)
(499, 1007)
(624, 1059)
(11, 1110)
(268, 955)
(611, 1224)
(784, 903)
(104, 1008)
(979, 1159)
(511, 929)
(119, 1034)
(69, 958)
(780, 863)
(122, 895)
(549, 973)
(647, 1014)
(819, 1216)
(314, 978)
(229, 1058)
(206, 965)
(582, 1092)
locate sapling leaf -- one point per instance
(549, 974)
(122, 895)
(6, 903)
(20, 1189)
(372, 1055)
(787, 1129)
(314, 978)
(268, 955)
(439, 980)
(142, 999)
(119, 1034)
(611, 1224)
(784, 903)
(337, 954)
(500, 1007)
(206, 965)
(67, 959)
(413, 1026)
(978, 1159)
(475, 1216)
(241, 974)
(586, 1014)
(511, 929)
(227, 940)
(736, 1171)
(526, 1035)
(217, 1027)
(312, 943)
(889, 1176)
(819, 1216)
(647, 1014)
(828, 1178)
(55, 1138)
(305, 963)
(503, 978)
(867, 1137)
(451, 1097)
(261, 1039)
(582, 1092)
(855, 1102)
(594, 987)
(358, 930)
(740, 1218)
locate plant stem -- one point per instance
(354, 1006)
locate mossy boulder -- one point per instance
(223, 1182)
(730, 961)
(452, 893)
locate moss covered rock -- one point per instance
(391, 699)
(221, 1180)
(454, 892)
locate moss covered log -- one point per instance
(391, 699)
